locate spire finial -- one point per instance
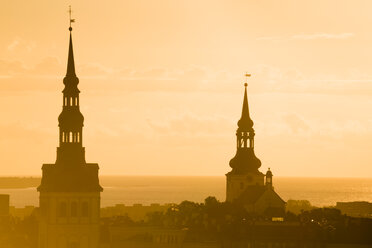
(70, 61)
(247, 75)
(71, 20)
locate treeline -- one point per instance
(214, 220)
(18, 233)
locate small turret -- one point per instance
(269, 178)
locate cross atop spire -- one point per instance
(70, 61)
(71, 20)
(247, 75)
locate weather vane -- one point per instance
(71, 20)
(247, 75)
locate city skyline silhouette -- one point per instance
(162, 92)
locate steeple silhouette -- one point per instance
(245, 123)
(245, 160)
(69, 202)
(70, 61)
(70, 171)
(245, 184)
(71, 120)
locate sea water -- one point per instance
(146, 190)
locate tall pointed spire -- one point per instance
(69, 189)
(70, 61)
(71, 121)
(245, 123)
(245, 160)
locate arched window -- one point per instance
(62, 209)
(76, 101)
(63, 137)
(78, 137)
(71, 103)
(70, 137)
(85, 209)
(74, 209)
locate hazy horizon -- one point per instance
(185, 123)
(164, 189)
(156, 175)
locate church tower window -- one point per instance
(74, 209)
(85, 209)
(62, 210)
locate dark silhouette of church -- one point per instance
(245, 184)
(70, 190)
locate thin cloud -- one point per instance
(270, 38)
(317, 36)
(13, 44)
(20, 44)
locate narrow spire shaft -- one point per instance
(245, 109)
(245, 123)
(70, 62)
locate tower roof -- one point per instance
(245, 123)
(70, 172)
(70, 61)
(71, 80)
(245, 161)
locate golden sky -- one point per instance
(162, 84)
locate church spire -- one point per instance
(245, 123)
(70, 61)
(245, 159)
(245, 132)
(71, 120)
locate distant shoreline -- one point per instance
(24, 182)
(131, 190)
(19, 182)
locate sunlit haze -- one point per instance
(162, 84)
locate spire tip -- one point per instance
(71, 20)
(247, 75)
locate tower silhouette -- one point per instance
(70, 190)
(244, 164)
(245, 183)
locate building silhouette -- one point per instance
(4, 205)
(70, 190)
(245, 184)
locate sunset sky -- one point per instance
(162, 84)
